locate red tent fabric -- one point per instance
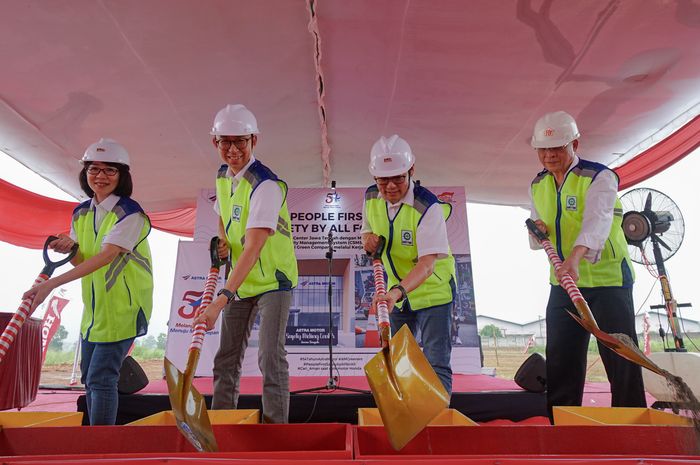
(660, 156)
(28, 218)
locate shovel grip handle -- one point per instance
(12, 329)
(201, 329)
(380, 288)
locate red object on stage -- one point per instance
(21, 368)
(590, 444)
(300, 442)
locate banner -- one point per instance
(51, 321)
(193, 264)
(317, 216)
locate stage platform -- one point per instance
(480, 397)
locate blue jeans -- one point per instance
(100, 364)
(434, 325)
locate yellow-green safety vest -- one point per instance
(276, 268)
(118, 298)
(401, 251)
(562, 211)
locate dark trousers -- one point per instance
(567, 347)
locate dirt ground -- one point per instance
(506, 362)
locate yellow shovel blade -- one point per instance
(190, 409)
(405, 387)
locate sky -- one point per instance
(510, 280)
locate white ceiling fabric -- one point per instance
(462, 81)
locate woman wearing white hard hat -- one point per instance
(114, 263)
(575, 202)
(417, 257)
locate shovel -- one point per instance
(187, 403)
(22, 313)
(405, 387)
(622, 344)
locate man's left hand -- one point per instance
(568, 267)
(390, 298)
(211, 313)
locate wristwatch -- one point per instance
(400, 288)
(229, 295)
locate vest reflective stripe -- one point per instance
(562, 211)
(277, 266)
(117, 298)
(401, 252)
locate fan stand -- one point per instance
(669, 302)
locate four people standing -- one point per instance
(573, 200)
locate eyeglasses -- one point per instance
(96, 170)
(553, 149)
(240, 143)
(397, 180)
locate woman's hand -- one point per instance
(64, 244)
(40, 292)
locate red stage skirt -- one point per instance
(21, 369)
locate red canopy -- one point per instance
(28, 218)
(660, 156)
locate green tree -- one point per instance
(162, 337)
(149, 342)
(491, 331)
(58, 338)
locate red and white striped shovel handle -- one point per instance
(200, 329)
(12, 329)
(566, 281)
(380, 288)
(23, 312)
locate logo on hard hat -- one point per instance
(388, 160)
(100, 149)
(549, 132)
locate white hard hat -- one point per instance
(234, 120)
(106, 150)
(554, 130)
(390, 157)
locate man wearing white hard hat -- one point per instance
(416, 256)
(575, 202)
(254, 223)
(114, 262)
